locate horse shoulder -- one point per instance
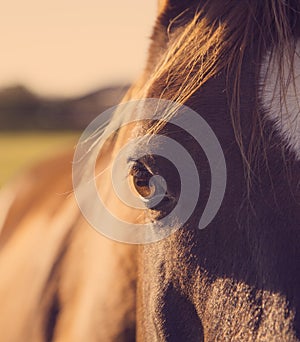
(56, 271)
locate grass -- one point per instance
(19, 150)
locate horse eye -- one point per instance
(154, 184)
(141, 180)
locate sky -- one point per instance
(66, 48)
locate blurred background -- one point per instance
(62, 63)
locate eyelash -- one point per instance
(139, 170)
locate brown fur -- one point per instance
(237, 280)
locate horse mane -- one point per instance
(215, 40)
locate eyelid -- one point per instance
(136, 167)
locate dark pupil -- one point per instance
(142, 181)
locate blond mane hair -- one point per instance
(216, 40)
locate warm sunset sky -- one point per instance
(68, 47)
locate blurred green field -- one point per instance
(19, 150)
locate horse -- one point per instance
(237, 65)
